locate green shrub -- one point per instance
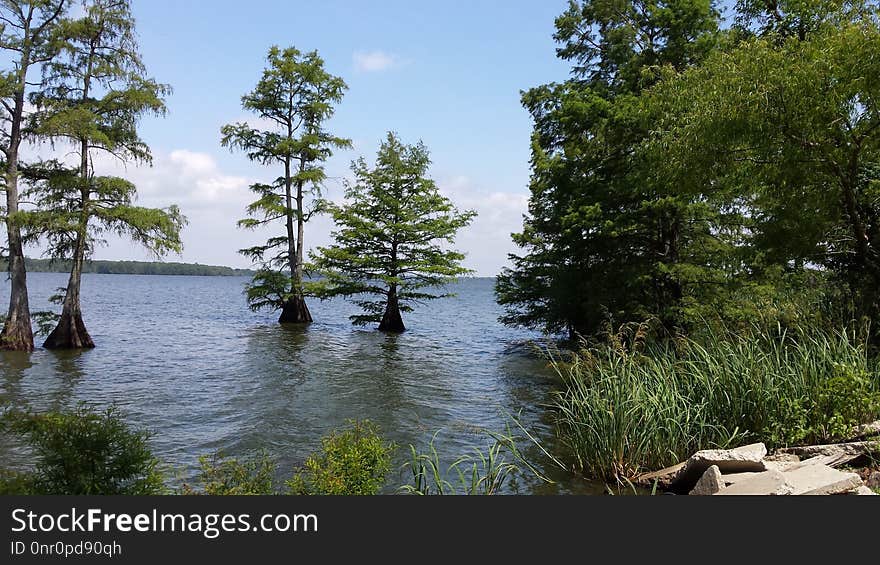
(221, 476)
(84, 452)
(354, 461)
(623, 410)
(14, 483)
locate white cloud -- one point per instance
(487, 241)
(374, 61)
(190, 179)
(214, 201)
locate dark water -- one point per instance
(184, 357)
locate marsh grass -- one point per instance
(482, 470)
(631, 405)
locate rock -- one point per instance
(816, 479)
(862, 491)
(748, 458)
(781, 461)
(710, 483)
(873, 480)
(766, 483)
(783, 458)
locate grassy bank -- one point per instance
(629, 406)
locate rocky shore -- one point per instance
(843, 468)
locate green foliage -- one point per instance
(780, 124)
(226, 476)
(16, 484)
(840, 404)
(83, 452)
(94, 94)
(687, 173)
(295, 96)
(482, 471)
(633, 405)
(391, 235)
(605, 236)
(353, 461)
(268, 290)
(109, 202)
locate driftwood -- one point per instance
(835, 454)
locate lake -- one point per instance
(186, 359)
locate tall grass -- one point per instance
(628, 406)
(483, 470)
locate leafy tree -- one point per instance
(604, 236)
(791, 119)
(29, 33)
(390, 238)
(295, 96)
(95, 96)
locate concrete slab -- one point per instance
(856, 448)
(767, 483)
(821, 480)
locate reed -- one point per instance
(628, 406)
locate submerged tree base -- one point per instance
(295, 311)
(392, 321)
(70, 333)
(17, 336)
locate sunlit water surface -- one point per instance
(185, 358)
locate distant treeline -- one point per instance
(132, 268)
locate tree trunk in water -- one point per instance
(295, 311)
(71, 333)
(17, 333)
(391, 319)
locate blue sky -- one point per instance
(448, 73)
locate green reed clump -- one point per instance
(482, 470)
(631, 406)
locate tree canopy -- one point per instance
(94, 94)
(30, 33)
(391, 239)
(295, 97)
(605, 238)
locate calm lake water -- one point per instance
(185, 358)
